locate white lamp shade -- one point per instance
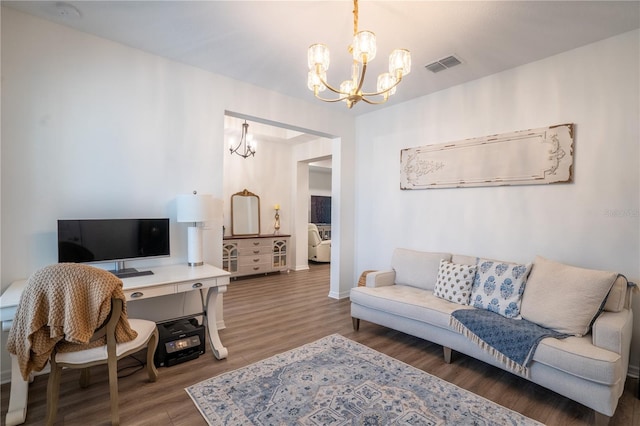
(196, 208)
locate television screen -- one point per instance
(320, 209)
(102, 240)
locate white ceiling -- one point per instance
(265, 42)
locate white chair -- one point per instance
(319, 249)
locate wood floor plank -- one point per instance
(266, 315)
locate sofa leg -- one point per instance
(447, 354)
(356, 323)
(601, 419)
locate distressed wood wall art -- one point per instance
(527, 157)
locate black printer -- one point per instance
(179, 341)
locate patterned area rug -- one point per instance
(336, 381)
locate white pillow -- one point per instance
(417, 268)
(498, 287)
(565, 298)
(454, 282)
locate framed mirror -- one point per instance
(245, 213)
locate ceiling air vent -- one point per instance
(443, 64)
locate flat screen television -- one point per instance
(320, 209)
(113, 240)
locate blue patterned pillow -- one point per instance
(498, 287)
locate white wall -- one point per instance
(92, 128)
(320, 182)
(593, 223)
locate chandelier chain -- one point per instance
(355, 17)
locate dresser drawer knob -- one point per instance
(256, 251)
(255, 268)
(136, 294)
(256, 260)
(196, 285)
(256, 243)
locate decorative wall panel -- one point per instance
(527, 157)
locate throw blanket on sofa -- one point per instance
(511, 341)
(62, 305)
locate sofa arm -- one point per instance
(381, 278)
(612, 331)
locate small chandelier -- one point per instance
(363, 50)
(246, 142)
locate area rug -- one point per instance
(336, 381)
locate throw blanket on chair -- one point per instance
(63, 304)
(512, 341)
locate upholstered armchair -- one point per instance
(319, 249)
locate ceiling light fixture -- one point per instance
(363, 50)
(246, 142)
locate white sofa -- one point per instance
(590, 369)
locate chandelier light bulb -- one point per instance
(387, 83)
(314, 81)
(347, 87)
(318, 55)
(364, 46)
(251, 143)
(400, 62)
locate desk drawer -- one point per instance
(195, 285)
(145, 292)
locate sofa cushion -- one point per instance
(407, 302)
(498, 287)
(579, 357)
(454, 282)
(417, 268)
(565, 298)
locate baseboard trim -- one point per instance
(301, 268)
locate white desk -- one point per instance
(165, 280)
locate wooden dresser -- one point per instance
(257, 254)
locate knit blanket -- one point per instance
(512, 341)
(61, 307)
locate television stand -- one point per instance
(121, 272)
(130, 272)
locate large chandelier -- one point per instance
(363, 50)
(246, 142)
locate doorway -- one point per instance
(279, 173)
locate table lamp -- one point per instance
(195, 208)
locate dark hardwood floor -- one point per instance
(267, 315)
